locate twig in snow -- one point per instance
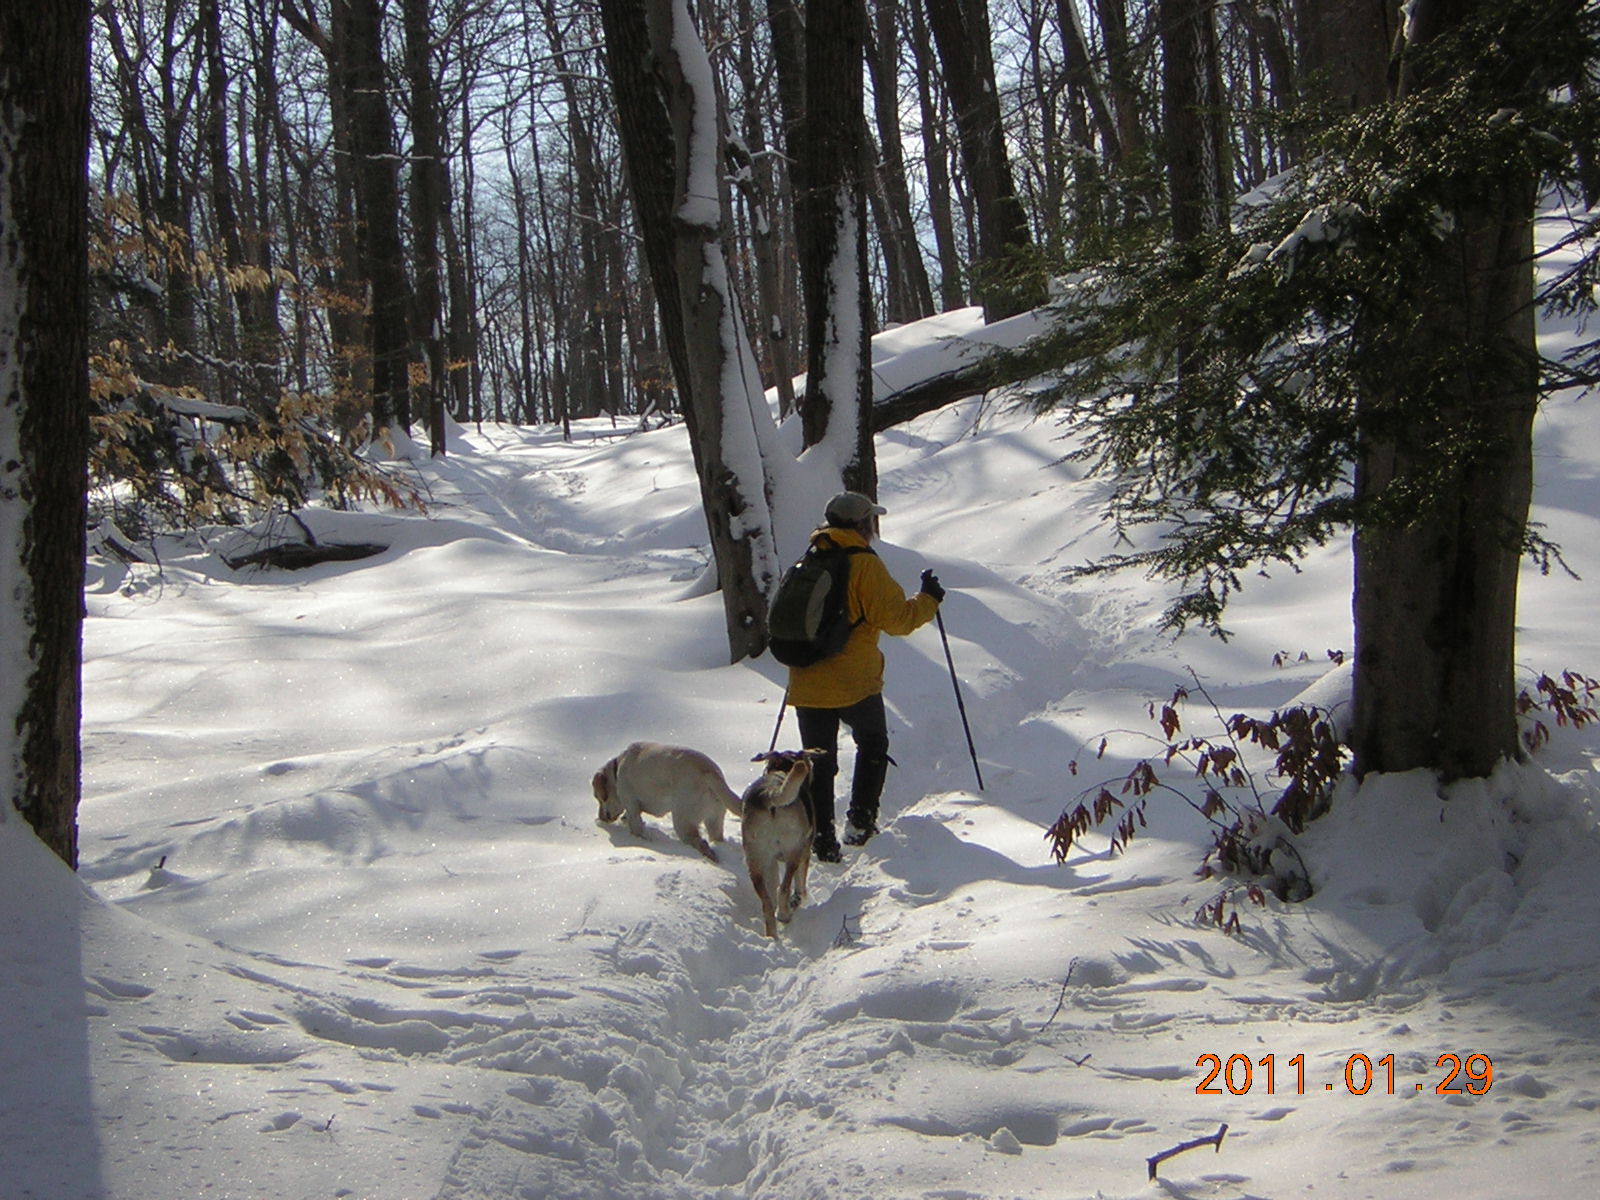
(846, 936)
(1214, 1140)
(1062, 998)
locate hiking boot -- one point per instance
(825, 846)
(858, 835)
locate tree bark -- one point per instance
(1344, 51)
(1436, 594)
(246, 285)
(44, 410)
(1198, 179)
(833, 269)
(360, 51)
(936, 161)
(669, 124)
(588, 377)
(762, 199)
(910, 276)
(430, 193)
(645, 127)
(347, 329)
(1008, 282)
(1128, 107)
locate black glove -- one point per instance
(931, 586)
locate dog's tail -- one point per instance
(794, 783)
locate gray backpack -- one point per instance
(808, 622)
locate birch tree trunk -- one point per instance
(44, 410)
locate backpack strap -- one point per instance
(848, 552)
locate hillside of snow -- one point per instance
(346, 925)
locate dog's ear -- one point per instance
(601, 783)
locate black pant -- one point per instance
(869, 727)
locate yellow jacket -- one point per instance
(882, 606)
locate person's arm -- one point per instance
(884, 603)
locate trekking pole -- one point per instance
(961, 707)
(782, 708)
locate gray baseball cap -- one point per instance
(851, 508)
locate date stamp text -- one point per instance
(1240, 1075)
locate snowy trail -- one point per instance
(416, 968)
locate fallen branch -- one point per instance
(1062, 998)
(1214, 1140)
(927, 395)
(295, 556)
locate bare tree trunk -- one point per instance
(352, 350)
(44, 410)
(561, 408)
(360, 50)
(761, 197)
(898, 233)
(587, 373)
(272, 154)
(465, 335)
(1198, 178)
(1344, 50)
(667, 121)
(254, 342)
(1436, 591)
(936, 161)
(1007, 278)
(736, 512)
(528, 330)
(833, 268)
(1082, 75)
(647, 142)
(430, 194)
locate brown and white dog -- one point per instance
(675, 781)
(777, 830)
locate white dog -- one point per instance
(660, 780)
(777, 832)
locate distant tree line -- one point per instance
(416, 207)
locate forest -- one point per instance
(1229, 363)
(392, 206)
(1285, 247)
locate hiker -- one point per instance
(848, 687)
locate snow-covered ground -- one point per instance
(347, 926)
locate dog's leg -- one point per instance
(802, 873)
(714, 823)
(689, 834)
(795, 867)
(785, 888)
(759, 880)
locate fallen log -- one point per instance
(295, 556)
